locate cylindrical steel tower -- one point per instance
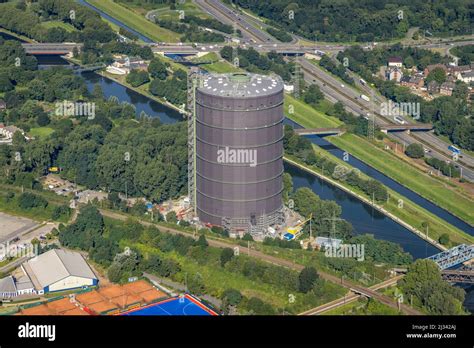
(239, 151)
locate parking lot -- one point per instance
(13, 226)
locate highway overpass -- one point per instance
(406, 127)
(318, 131)
(51, 48)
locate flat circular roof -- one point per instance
(241, 85)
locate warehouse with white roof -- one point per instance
(59, 270)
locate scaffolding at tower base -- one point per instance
(256, 226)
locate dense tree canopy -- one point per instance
(346, 20)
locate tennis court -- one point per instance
(174, 306)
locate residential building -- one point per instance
(394, 74)
(433, 87)
(414, 81)
(446, 88)
(3, 104)
(466, 77)
(431, 67)
(395, 62)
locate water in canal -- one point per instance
(362, 216)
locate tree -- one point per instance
(157, 69)
(226, 53)
(137, 77)
(196, 285)
(226, 255)
(233, 296)
(444, 239)
(202, 241)
(30, 200)
(423, 281)
(437, 74)
(247, 237)
(42, 119)
(307, 277)
(287, 186)
(313, 95)
(171, 217)
(415, 150)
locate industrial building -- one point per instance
(235, 139)
(59, 270)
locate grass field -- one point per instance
(58, 24)
(218, 279)
(220, 67)
(307, 116)
(189, 8)
(448, 197)
(208, 57)
(135, 21)
(41, 132)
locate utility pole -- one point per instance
(333, 233)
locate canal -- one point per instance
(362, 216)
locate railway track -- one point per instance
(281, 262)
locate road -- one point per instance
(350, 98)
(280, 262)
(229, 16)
(333, 89)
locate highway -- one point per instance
(333, 89)
(280, 262)
(229, 16)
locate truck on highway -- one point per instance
(319, 53)
(362, 81)
(363, 96)
(454, 149)
(399, 120)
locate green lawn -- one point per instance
(307, 116)
(448, 197)
(135, 21)
(189, 8)
(218, 279)
(58, 24)
(220, 67)
(208, 57)
(40, 132)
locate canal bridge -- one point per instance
(318, 131)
